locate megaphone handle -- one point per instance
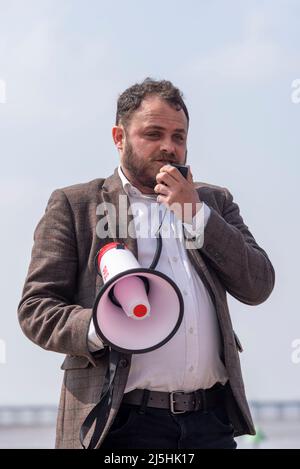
(100, 412)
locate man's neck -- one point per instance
(135, 183)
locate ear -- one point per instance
(118, 135)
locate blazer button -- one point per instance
(123, 363)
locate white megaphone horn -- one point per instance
(137, 309)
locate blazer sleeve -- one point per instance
(46, 312)
(243, 267)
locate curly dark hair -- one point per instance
(132, 98)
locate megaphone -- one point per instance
(137, 309)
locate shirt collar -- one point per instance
(126, 184)
(131, 190)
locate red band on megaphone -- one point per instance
(107, 247)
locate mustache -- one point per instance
(166, 157)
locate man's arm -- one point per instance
(46, 311)
(243, 267)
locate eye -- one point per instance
(179, 137)
(153, 134)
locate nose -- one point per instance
(167, 146)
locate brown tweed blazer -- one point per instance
(56, 305)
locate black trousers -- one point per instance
(160, 429)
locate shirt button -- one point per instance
(185, 292)
(174, 259)
(191, 368)
(191, 330)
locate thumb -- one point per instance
(189, 174)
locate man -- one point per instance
(189, 393)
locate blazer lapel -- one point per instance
(118, 212)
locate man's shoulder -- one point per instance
(211, 194)
(205, 187)
(83, 187)
(208, 186)
(81, 192)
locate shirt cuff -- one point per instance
(199, 221)
(94, 342)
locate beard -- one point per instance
(145, 171)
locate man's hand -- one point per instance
(177, 193)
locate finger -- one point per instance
(172, 171)
(165, 178)
(162, 199)
(161, 189)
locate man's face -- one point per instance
(155, 135)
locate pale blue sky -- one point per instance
(65, 62)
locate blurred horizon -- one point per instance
(276, 427)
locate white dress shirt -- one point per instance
(191, 359)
